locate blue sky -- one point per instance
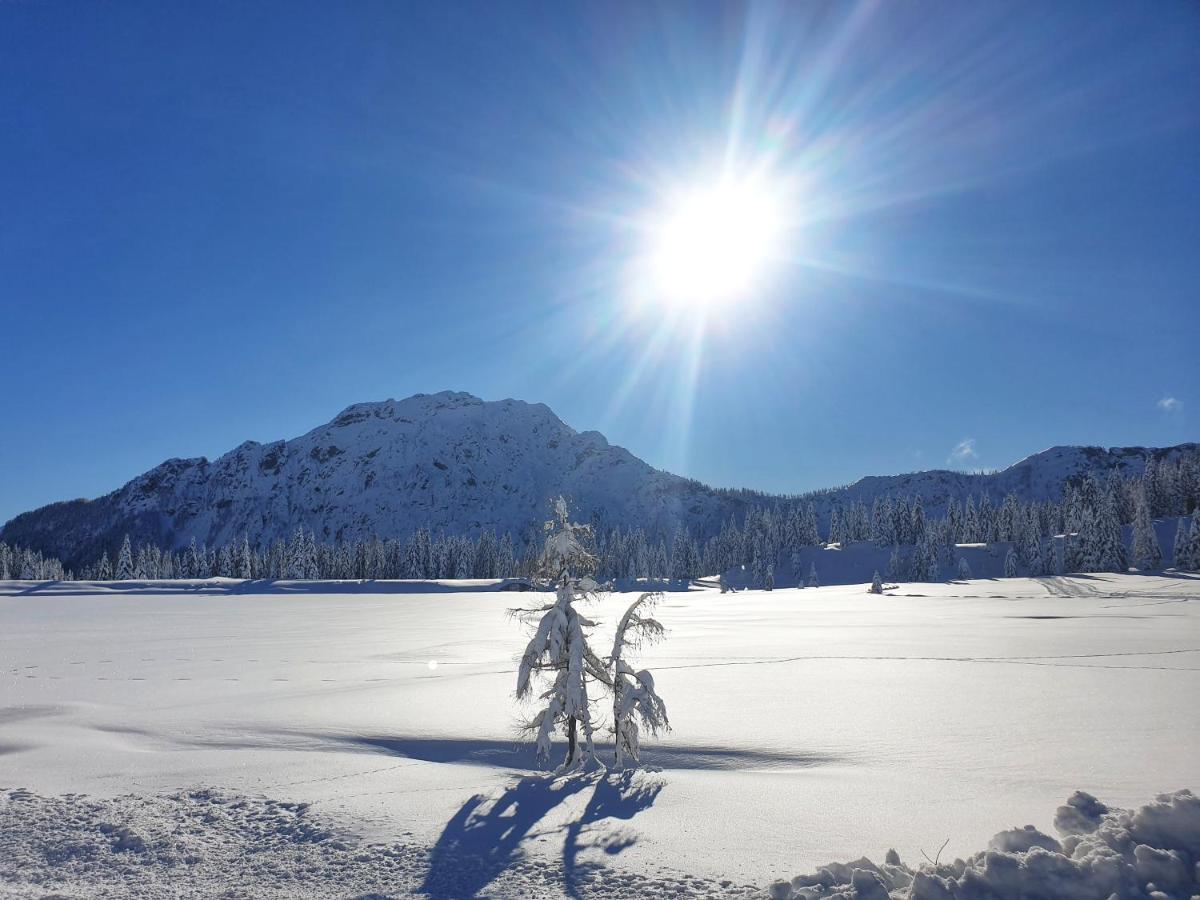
(230, 221)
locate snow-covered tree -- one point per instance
(876, 584)
(964, 569)
(1010, 563)
(636, 705)
(125, 561)
(1146, 553)
(1179, 552)
(559, 646)
(812, 581)
(895, 569)
(104, 568)
(769, 581)
(1192, 557)
(245, 560)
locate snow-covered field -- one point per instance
(810, 726)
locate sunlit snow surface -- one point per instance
(810, 726)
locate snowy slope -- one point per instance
(809, 726)
(459, 465)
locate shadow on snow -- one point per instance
(484, 838)
(509, 755)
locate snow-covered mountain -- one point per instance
(449, 460)
(460, 465)
(1035, 478)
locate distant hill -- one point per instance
(461, 465)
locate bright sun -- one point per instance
(711, 246)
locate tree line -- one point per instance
(1080, 532)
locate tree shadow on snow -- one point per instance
(509, 755)
(617, 796)
(485, 837)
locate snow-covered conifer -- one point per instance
(1145, 553)
(245, 560)
(769, 582)
(1010, 563)
(636, 704)
(970, 528)
(895, 569)
(125, 561)
(876, 584)
(104, 568)
(225, 562)
(1179, 551)
(559, 645)
(1192, 561)
(812, 576)
(964, 569)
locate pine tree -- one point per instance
(636, 704)
(876, 584)
(1179, 552)
(812, 576)
(916, 529)
(1060, 555)
(1109, 550)
(964, 569)
(1035, 562)
(1010, 563)
(225, 562)
(559, 644)
(104, 569)
(895, 569)
(970, 529)
(770, 578)
(245, 560)
(1192, 556)
(125, 561)
(1146, 553)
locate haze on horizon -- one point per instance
(960, 239)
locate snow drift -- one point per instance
(1151, 852)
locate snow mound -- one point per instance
(1151, 853)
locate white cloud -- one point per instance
(963, 451)
(1170, 404)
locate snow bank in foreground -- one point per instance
(1152, 852)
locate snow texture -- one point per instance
(204, 842)
(809, 725)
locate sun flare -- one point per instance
(711, 245)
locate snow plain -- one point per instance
(810, 726)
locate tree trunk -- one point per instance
(571, 742)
